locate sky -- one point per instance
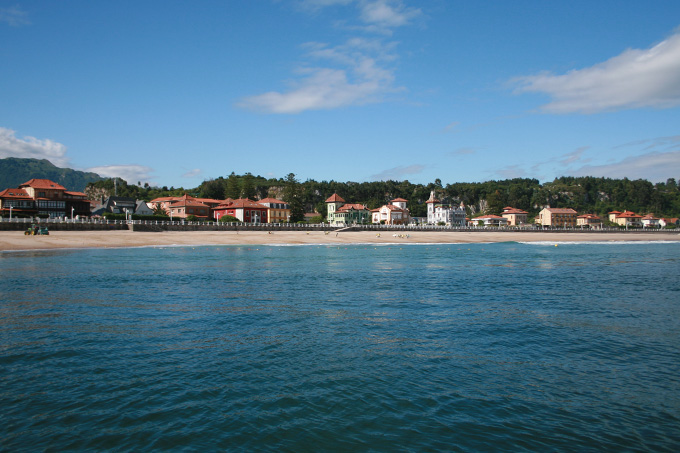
(175, 92)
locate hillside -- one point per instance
(15, 171)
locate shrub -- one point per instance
(228, 219)
(191, 218)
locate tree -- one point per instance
(292, 194)
(232, 190)
(247, 187)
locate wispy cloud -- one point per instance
(575, 156)
(360, 79)
(192, 173)
(356, 72)
(464, 152)
(654, 166)
(398, 173)
(14, 16)
(634, 79)
(31, 147)
(130, 173)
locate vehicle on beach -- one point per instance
(36, 230)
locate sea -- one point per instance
(307, 348)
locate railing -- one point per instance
(326, 226)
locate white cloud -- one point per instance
(360, 80)
(575, 156)
(31, 147)
(634, 79)
(398, 173)
(192, 173)
(387, 13)
(14, 16)
(130, 173)
(654, 167)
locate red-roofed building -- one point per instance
(342, 213)
(43, 197)
(278, 211)
(557, 217)
(649, 221)
(245, 210)
(515, 216)
(589, 220)
(490, 220)
(395, 213)
(674, 221)
(627, 219)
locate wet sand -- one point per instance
(16, 240)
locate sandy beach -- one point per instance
(16, 240)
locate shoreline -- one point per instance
(17, 241)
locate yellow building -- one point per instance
(557, 217)
(278, 211)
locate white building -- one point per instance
(438, 212)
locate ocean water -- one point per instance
(464, 347)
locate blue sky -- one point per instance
(176, 92)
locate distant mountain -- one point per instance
(15, 171)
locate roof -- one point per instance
(509, 210)
(629, 215)
(352, 206)
(335, 198)
(271, 200)
(589, 216)
(392, 207)
(14, 193)
(240, 204)
(560, 210)
(490, 216)
(43, 184)
(400, 200)
(75, 194)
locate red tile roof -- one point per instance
(240, 204)
(352, 206)
(43, 184)
(509, 210)
(400, 200)
(561, 210)
(335, 198)
(14, 193)
(271, 200)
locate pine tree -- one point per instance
(292, 194)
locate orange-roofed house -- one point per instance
(557, 217)
(589, 220)
(612, 215)
(395, 213)
(489, 220)
(665, 222)
(247, 211)
(44, 197)
(628, 219)
(515, 216)
(649, 221)
(342, 213)
(278, 211)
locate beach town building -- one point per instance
(627, 219)
(589, 220)
(339, 212)
(395, 213)
(122, 205)
(278, 211)
(612, 215)
(247, 211)
(516, 217)
(186, 205)
(557, 217)
(43, 197)
(665, 222)
(438, 213)
(649, 221)
(490, 220)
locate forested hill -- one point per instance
(15, 171)
(584, 194)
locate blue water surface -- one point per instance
(464, 347)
